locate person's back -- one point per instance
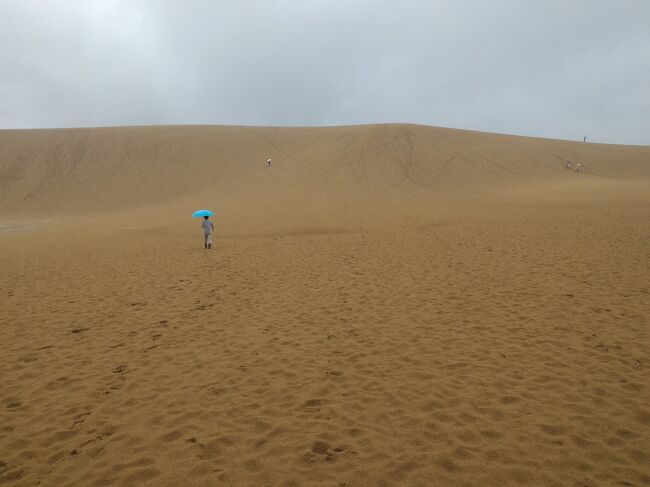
(208, 227)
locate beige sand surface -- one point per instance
(387, 305)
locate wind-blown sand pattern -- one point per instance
(388, 305)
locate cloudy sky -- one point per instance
(549, 68)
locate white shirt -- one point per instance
(207, 226)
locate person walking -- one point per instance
(208, 228)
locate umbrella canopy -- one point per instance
(200, 213)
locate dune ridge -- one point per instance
(103, 169)
(385, 305)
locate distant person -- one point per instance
(578, 167)
(208, 228)
(268, 163)
(568, 164)
(584, 139)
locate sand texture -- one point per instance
(389, 305)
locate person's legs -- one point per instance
(205, 240)
(209, 240)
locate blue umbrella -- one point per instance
(200, 213)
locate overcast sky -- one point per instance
(549, 68)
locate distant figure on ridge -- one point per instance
(578, 167)
(208, 227)
(268, 163)
(568, 164)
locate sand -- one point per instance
(390, 305)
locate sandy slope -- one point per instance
(385, 305)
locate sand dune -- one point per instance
(385, 305)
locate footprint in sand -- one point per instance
(320, 447)
(608, 348)
(58, 382)
(95, 440)
(79, 419)
(120, 369)
(312, 405)
(553, 429)
(322, 450)
(334, 373)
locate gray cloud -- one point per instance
(544, 68)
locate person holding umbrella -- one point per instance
(207, 226)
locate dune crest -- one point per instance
(85, 171)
